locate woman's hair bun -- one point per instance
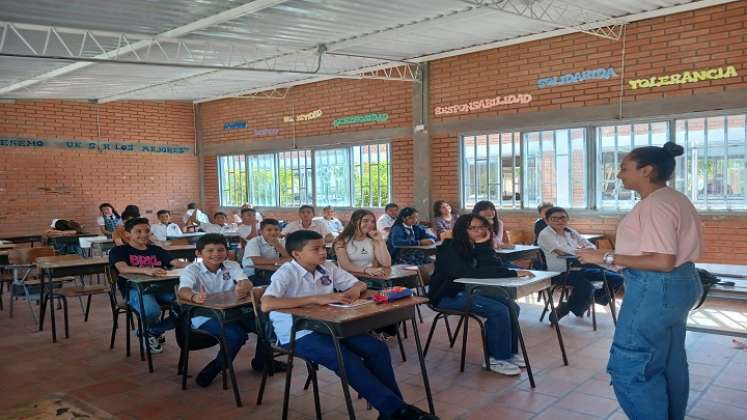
(673, 149)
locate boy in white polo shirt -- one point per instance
(267, 248)
(165, 228)
(310, 279)
(306, 222)
(215, 274)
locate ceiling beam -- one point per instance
(216, 19)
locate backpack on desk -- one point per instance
(63, 224)
(708, 280)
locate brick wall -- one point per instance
(40, 184)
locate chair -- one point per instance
(266, 335)
(517, 237)
(118, 308)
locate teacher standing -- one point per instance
(657, 243)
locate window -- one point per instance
(232, 180)
(613, 143)
(371, 168)
(555, 167)
(711, 172)
(262, 180)
(332, 174)
(490, 169)
(294, 178)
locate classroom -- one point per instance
(430, 209)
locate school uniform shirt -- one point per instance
(292, 280)
(385, 222)
(151, 256)
(213, 228)
(361, 253)
(665, 222)
(245, 230)
(198, 278)
(568, 242)
(334, 224)
(316, 226)
(162, 232)
(109, 222)
(258, 247)
(201, 217)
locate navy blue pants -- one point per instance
(583, 291)
(236, 335)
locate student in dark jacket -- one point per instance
(470, 254)
(406, 231)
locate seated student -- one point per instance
(215, 274)
(333, 224)
(165, 227)
(387, 219)
(258, 215)
(487, 210)
(109, 219)
(249, 227)
(219, 224)
(139, 256)
(361, 249)
(557, 240)
(306, 222)
(267, 248)
(120, 235)
(469, 253)
(540, 224)
(309, 279)
(443, 220)
(407, 232)
(59, 228)
(200, 217)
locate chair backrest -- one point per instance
(29, 255)
(48, 258)
(516, 237)
(261, 318)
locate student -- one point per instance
(487, 210)
(306, 222)
(200, 217)
(443, 219)
(387, 219)
(120, 235)
(657, 243)
(59, 228)
(361, 249)
(108, 220)
(558, 240)
(258, 215)
(219, 224)
(470, 254)
(333, 224)
(249, 227)
(138, 256)
(309, 279)
(267, 248)
(540, 224)
(165, 227)
(215, 274)
(407, 232)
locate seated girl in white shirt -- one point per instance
(361, 249)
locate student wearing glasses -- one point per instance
(557, 241)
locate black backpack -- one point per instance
(63, 224)
(708, 280)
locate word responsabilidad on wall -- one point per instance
(582, 76)
(360, 119)
(102, 146)
(303, 117)
(521, 98)
(684, 77)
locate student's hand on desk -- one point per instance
(591, 256)
(375, 272)
(243, 288)
(199, 297)
(352, 294)
(154, 271)
(524, 273)
(333, 298)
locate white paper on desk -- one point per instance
(356, 303)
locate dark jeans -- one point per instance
(236, 335)
(583, 290)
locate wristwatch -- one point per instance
(609, 258)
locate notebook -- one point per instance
(359, 302)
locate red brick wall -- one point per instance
(40, 184)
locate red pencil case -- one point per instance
(392, 294)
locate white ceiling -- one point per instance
(268, 34)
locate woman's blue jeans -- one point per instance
(647, 362)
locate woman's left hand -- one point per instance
(591, 256)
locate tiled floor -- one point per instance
(84, 367)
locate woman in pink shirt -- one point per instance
(657, 243)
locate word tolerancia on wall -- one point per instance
(360, 119)
(566, 79)
(102, 146)
(684, 77)
(521, 98)
(303, 117)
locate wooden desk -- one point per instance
(144, 284)
(7, 246)
(517, 251)
(399, 276)
(345, 322)
(53, 241)
(592, 237)
(23, 239)
(514, 288)
(225, 307)
(62, 266)
(186, 252)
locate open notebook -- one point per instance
(359, 302)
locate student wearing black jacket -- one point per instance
(470, 254)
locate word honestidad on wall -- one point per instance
(101, 146)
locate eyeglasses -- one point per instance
(558, 218)
(480, 227)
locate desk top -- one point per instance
(399, 271)
(144, 278)
(222, 300)
(516, 248)
(66, 261)
(337, 315)
(186, 235)
(179, 247)
(427, 247)
(523, 285)
(22, 238)
(592, 236)
(7, 246)
(725, 270)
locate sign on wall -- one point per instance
(360, 119)
(234, 125)
(521, 98)
(582, 76)
(303, 117)
(684, 77)
(102, 146)
(263, 132)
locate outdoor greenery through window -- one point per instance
(491, 169)
(353, 176)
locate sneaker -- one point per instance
(207, 374)
(410, 412)
(561, 310)
(518, 360)
(277, 366)
(162, 339)
(155, 345)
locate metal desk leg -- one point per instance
(289, 371)
(423, 370)
(343, 377)
(517, 327)
(144, 332)
(50, 297)
(557, 327)
(227, 362)
(42, 301)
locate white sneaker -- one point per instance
(518, 360)
(155, 345)
(504, 367)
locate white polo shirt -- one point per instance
(385, 222)
(197, 277)
(213, 228)
(245, 230)
(316, 226)
(292, 280)
(258, 247)
(568, 243)
(162, 232)
(201, 217)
